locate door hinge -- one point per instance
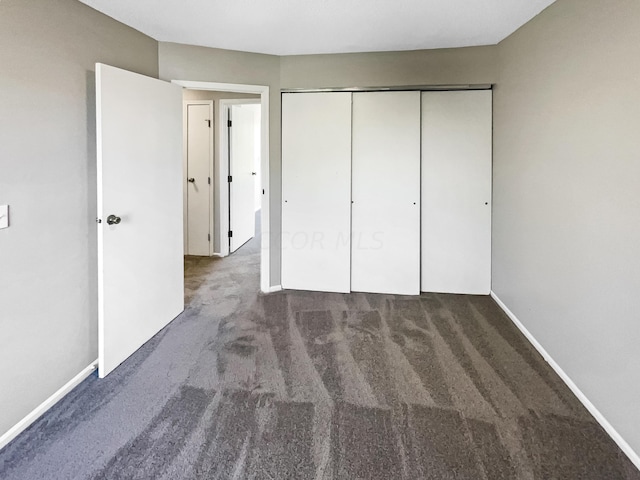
(229, 179)
(209, 180)
(209, 237)
(229, 123)
(230, 234)
(209, 122)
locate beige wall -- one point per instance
(566, 237)
(186, 62)
(48, 292)
(419, 67)
(215, 97)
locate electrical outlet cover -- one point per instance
(4, 216)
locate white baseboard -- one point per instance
(624, 446)
(19, 427)
(273, 289)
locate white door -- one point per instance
(242, 219)
(385, 242)
(140, 237)
(316, 191)
(198, 181)
(456, 192)
(257, 156)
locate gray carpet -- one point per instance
(299, 385)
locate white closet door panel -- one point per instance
(456, 192)
(385, 256)
(316, 191)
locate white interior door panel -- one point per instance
(140, 239)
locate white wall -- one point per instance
(566, 236)
(48, 265)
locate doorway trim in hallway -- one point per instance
(263, 91)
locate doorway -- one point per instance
(207, 187)
(263, 92)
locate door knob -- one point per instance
(253, 173)
(191, 180)
(113, 220)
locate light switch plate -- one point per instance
(4, 216)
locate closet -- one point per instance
(387, 191)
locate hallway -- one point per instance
(297, 385)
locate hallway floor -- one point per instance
(301, 385)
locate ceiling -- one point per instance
(291, 27)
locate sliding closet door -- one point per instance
(456, 192)
(385, 243)
(316, 191)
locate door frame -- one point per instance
(185, 159)
(224, 105)
(263, 91)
